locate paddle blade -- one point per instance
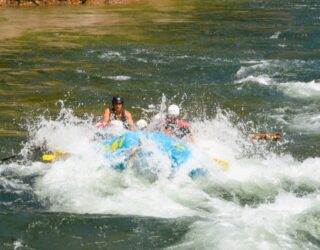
(51, 157)
(48, 157)
(222, 163)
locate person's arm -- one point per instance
(105, 119)
(106, 115)
(129, 120)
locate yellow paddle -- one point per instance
(222, 163)
(51, 157)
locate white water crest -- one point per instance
(275, 35)
(309, 90)
(267, 72)
(253, 67)
(119, 78)
(262, 79)
(307, 122)
(301, 89)
(112, 55)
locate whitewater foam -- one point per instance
(112, 55)
(275, 35)
(273, 188)
(262, 79)
(301, 89)
(119, 78)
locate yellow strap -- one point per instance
(121, 141)
(115, 145)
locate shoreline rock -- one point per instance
(31, 3)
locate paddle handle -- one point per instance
(8, 158)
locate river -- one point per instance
(234, 68)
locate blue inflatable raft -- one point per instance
(123, 146)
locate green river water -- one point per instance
(233, 67)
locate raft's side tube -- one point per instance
(177, 151)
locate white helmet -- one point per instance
(116, 124)
(173, 110)
(142, 124)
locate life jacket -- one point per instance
(123, 118)
(179, 128)
(182, 123)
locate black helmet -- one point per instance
(117, 99)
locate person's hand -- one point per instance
(101, 124)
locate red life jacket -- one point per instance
(179, 128)
(182, 123)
